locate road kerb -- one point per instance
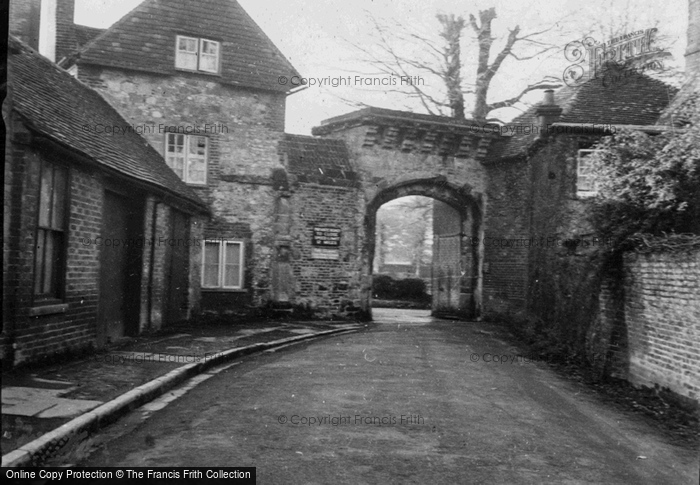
(49, 444)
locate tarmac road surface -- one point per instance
(410, 400)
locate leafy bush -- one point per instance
(410, 288)
(650, 184)
(383, 287)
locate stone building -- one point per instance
(201, 81)
(293, 216)
(97, 230)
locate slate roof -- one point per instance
(58, 106)
(318, 160)
(144, 40)
(636, 100)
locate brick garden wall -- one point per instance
(657, 308)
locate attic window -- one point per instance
(585, 176)
(195, 54)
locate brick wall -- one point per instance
(659, 309)
(506, 221)
(66, 42)
(36, 337)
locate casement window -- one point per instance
(222, 265)
(187, 156)
(585, 176)
(49, 256)
(195, 54)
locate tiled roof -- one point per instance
(318, 160)
(60, 107)
(636, 100)
(691, 86)
(84, 34)
(144, 40)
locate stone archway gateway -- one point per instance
(396, 154)
(456, 274)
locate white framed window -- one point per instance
(585, 175)
(195, 54)
(222, 264)
(187, 156)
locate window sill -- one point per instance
(191, 71)
(225, 290)
(48, 309)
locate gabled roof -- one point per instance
(318, 160)
(54, 104)
(636, 100)
(144, 40)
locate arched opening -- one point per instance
(403, 256)
(456, 253)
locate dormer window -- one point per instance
(195, 54)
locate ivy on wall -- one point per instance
(649, 184)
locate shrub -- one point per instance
(412, 288)
(383, 287)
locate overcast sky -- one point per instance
(317, 36)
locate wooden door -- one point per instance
(120, 268)
(177, 281)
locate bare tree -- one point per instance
(442, 59)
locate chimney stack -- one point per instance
(547, 112)
(24, 21)
(45, 25)
(66, 41)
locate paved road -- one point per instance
(404, 402)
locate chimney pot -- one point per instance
(549, 97)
